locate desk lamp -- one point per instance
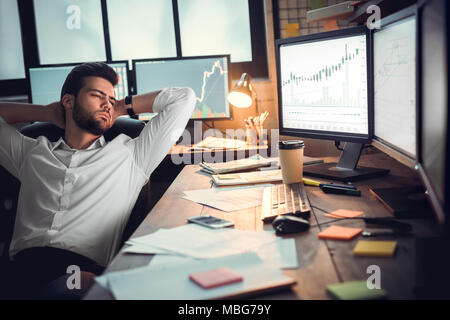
(241, 96)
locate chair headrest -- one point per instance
(128, 126)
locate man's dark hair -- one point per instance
(75, 80)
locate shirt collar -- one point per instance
(61, 144)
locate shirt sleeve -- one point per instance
(174, 107)
(13, 147)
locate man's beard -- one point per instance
(86, 121)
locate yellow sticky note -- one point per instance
(375, 248)
(343, 213)
(292, 30)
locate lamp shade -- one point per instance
(241, 95)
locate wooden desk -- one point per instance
(320, 262)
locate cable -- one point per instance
(337, 144)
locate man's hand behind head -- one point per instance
(56, 114)
(119, 109)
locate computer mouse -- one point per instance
(289, 224)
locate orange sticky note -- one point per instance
(292, 30)
(339, 233)
(343, 213)
(330, 25)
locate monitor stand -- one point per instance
(346, 169)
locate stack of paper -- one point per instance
(232, 179)
(259, 262)
(274, 250)
(219, 143)
(171, 280)
(227, 199)
(199, 242)
(253, 162)
(257, 257)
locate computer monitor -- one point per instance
(11, 54)
(395, 94)
(12, 69)
(69, 31)
(141, 29)
(212, 27)
(45, 82)
(207, 76)
(324, 93)
(396, 108)
(434, 135)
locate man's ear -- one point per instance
(68, 101)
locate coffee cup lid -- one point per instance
(290, 144)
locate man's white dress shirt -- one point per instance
(80, 200)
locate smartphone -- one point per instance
(211, 222)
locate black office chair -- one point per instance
(10, 186)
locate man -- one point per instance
(77, 194)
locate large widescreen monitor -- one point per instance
(69, 31)
(140, 29)
(207, 76)
(11, 54)
(45, 83)
(324, 93)
(396, 107)
(395, 101)
(216, 27)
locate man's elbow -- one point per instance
(190, 96)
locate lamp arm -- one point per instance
(256, 99)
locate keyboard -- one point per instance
(285, 199)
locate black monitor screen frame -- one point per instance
(28, 79)
(190, 58)
(328, 135)
(441, 208)
(401, 155)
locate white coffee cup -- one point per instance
(291, 160)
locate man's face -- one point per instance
(94, 106)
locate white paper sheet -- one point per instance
(280, 252)
(200, 242)
(227, 199)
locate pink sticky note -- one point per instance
(339, 233)
(343, 213)
(215, 278)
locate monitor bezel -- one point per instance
(14, 86)
(392, 150)
(28, 79)
(328, 135)
(441, 209)
(134, 61)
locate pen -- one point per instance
(340, 190)
(378, 233)
(345, 186)
(310, 182)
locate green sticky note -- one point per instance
(316, 4)
(355, 290)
